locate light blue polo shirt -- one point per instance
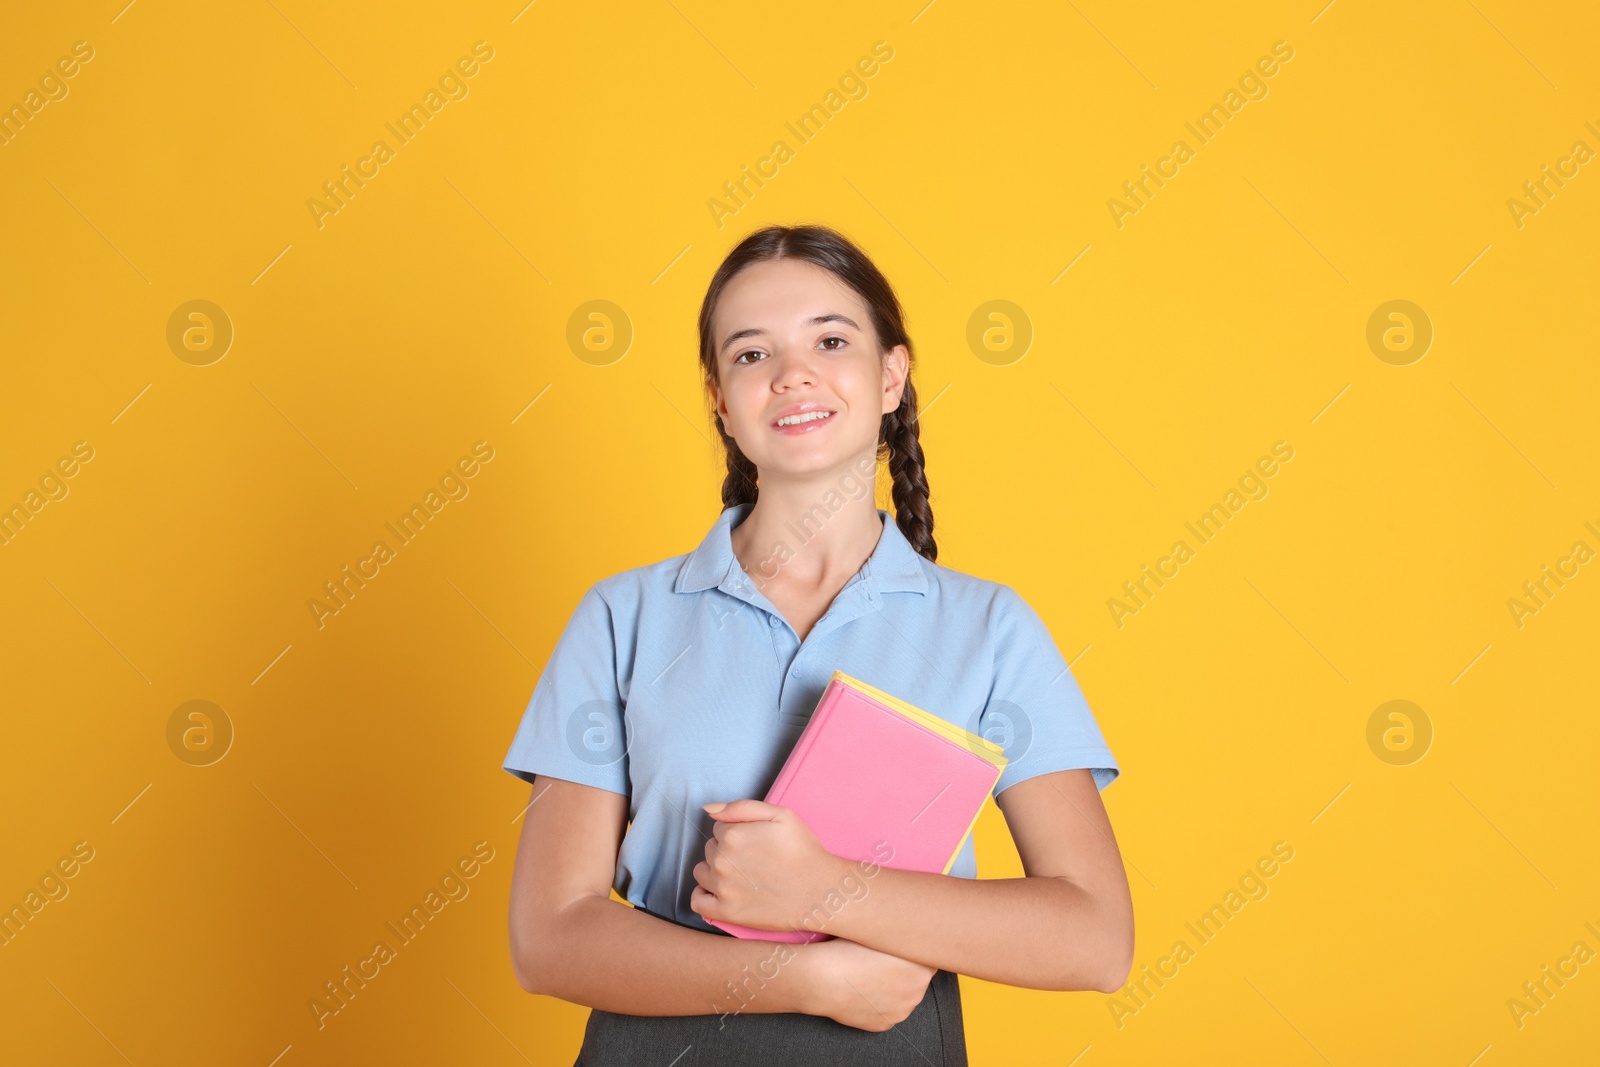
(679, 683)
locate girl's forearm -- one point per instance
(603, 954)
(1034, 932)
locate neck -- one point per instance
(792, 536)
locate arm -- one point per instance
(1067, 925)
(570, 940)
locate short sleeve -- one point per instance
(1035, 710)
(573, 727)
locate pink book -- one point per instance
(881, 781)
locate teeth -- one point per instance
(804, 416)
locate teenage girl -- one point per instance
(677, 690)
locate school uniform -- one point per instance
(679, 683)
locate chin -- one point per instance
(812, 463)
(794, 467)
(806, 453)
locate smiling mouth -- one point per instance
(803, 418)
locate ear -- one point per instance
(896, 362)
(719, 405)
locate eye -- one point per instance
(751, 352)
(835, 337)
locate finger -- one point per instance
(747, 810)
(702, 903)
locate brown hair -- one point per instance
(897, 434)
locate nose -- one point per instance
(795, 370)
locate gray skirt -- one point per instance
(931, 1036)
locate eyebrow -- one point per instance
(756, 331)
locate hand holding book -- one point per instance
(872, 781)
(764, 868)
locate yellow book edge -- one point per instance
(951, 862)
(980, 745)
(977, 743)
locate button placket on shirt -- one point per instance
(856, 599)
(737, 584)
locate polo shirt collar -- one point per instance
(893, 567)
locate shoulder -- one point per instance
(997, 610)
(629, 590)
(955, 588)
(617, 606)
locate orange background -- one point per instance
(372, 347)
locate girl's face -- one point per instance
(792, 339)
